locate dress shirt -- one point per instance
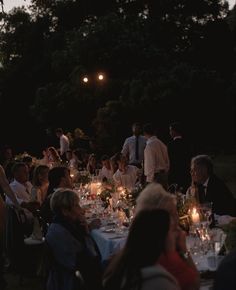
(156, 158)
(129, 149)
(23, 194)
(128, 178)
(64, 144)
(107, 173)
(22, 191)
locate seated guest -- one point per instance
(40, 183)
(106, 173)
(126, 175)
(28, 160)
(7, 156)
(114, 163)
(73, 249)
(80, 156)
(137, 265)
(207, 187)
(21, 185)
(58, 177)
(176, 258)
(54, 157)
(7, 189)
(92, 164)
(45, 159)
(72, 161)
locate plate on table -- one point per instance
(107, 230)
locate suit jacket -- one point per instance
(180, 154)
(221, 197)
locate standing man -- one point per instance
(156, 159)
(180, 153)
(133, 147)
(64, 143)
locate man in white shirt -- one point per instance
(64, 142)
(156, 159)
(20, 185)
(133, 147)
(22, 189)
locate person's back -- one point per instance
(80, 253)
(137, 265)
(64, 143)
(156, 159)
(180, 153)
(133, 147)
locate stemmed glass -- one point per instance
(206, 211)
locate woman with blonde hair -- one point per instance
(54, 157)
(176, 259)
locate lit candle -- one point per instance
(93, 188)
(195, 216)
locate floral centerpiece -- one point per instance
(83, 178)
(133, 194)
(106, 193)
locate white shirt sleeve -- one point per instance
(125, 149)
(64, 146)
(149, 164)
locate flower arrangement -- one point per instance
(83, 178)
(106, 193)
(21, 156)
(132, 195)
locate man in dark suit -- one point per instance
(180, 154)
(211, 188)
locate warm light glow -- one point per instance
(101, 77)
(195, 216)
(85, 79)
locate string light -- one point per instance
(85, 80)
(100, 77)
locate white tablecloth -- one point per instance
(108, 243)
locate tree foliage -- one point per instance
(163, 60)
